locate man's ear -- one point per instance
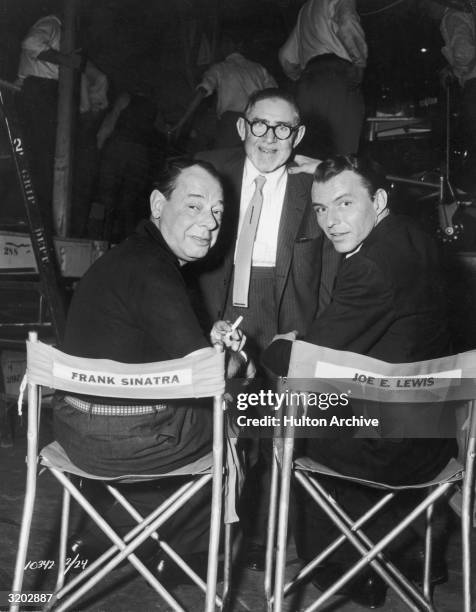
(241, 127)
(157, 200)
(380, 201)
(299, 135)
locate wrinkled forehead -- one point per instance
(274, 110)
(198, 181)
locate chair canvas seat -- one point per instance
(452, 472)
(54, 456)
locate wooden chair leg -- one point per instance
(30, 494)
(63, 539)
(283, 511)
(428, 553)
(227, 565)
(466, 519)
(271, 533)
(23, 544)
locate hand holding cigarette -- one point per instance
(228, 334)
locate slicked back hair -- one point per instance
(371, 173)
(166, 181)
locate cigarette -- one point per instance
(233, 327)
(236, 324)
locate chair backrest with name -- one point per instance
(450, 380)
(200, 374)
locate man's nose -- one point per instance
(208, 220)
(270, 136)
(332, 217)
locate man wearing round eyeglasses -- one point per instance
(283, 285)
(267, 261)
(270, 130)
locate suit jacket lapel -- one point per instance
(233, 191)
(294, 206)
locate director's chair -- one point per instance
(198, 375)
(313, 368)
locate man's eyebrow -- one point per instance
(202, 197)
(337, 197)
(342, 195)
(267, 121)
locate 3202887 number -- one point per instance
(29, 597)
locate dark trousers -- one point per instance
(314, 531)
(260, 325)
(403, 461)
(142, 444)
(332, 108)
(187, 531)
(260, 318)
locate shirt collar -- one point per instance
(272, 178)
(354, 251)
(386, 214)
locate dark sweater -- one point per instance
(132, 305)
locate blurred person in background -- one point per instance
(326, 54)
(233, 80)
(458, 29)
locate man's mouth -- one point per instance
(267, 151)
(201, 241)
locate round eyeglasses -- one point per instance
(281, 131)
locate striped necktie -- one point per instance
(244, 247)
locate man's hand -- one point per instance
(292, 335)
(223, 335)
(304, 164)
(240, 366)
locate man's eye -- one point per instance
(345, 203)
(194, 207)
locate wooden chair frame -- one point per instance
(201, 374)
(309, 368)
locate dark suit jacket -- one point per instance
(299, 253)
(388, 300)
(388, 303)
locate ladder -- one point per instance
(42, 241)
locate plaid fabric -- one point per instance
(106, 410)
